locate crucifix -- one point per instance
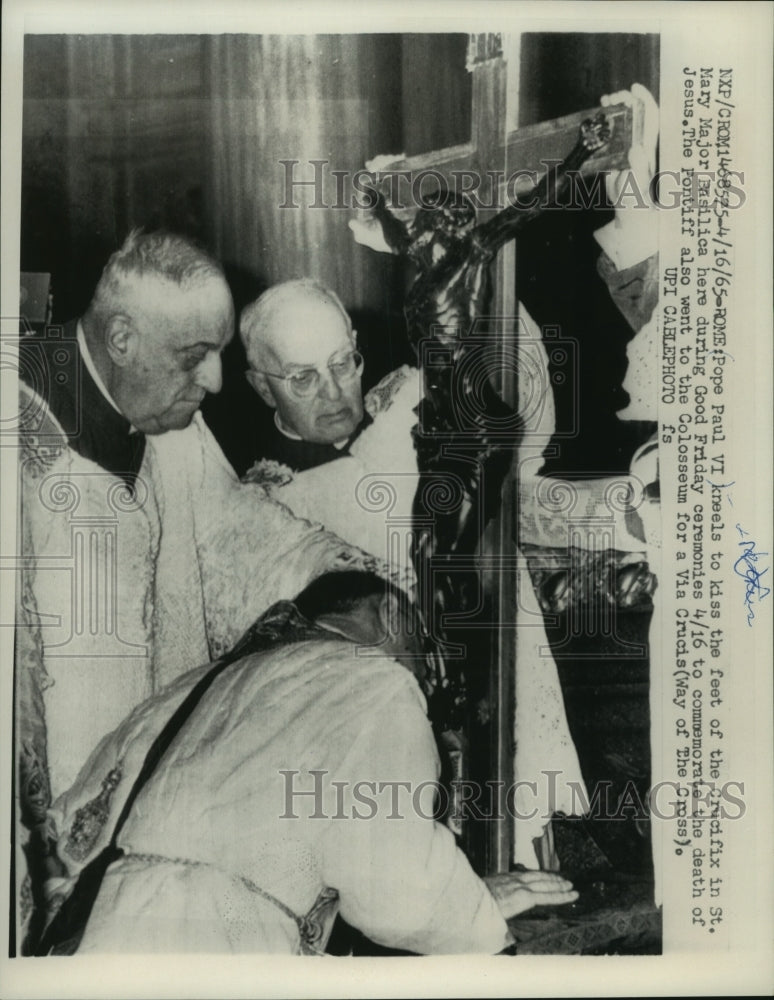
(470, 581)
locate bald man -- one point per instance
(304, 364)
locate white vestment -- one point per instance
(284, 779)
(119, 594)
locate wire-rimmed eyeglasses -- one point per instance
(306, 381)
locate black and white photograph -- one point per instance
(386, 415)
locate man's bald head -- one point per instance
(301, 326)
(264, 322)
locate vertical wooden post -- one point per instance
(489, 140)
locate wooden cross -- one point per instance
(497, 148)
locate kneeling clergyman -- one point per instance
(303, 779)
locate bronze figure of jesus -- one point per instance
(461, 462)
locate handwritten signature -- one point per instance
(750, 573)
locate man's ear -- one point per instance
(389, 613)
(361, 625)
(261, 385)
(119, 339)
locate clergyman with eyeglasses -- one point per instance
(303, 360)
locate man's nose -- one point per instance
(209, 375)
(329, 387)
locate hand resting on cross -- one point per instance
(515, 892)
(642, 154)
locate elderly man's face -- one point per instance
(311, 334)
(173, 353)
